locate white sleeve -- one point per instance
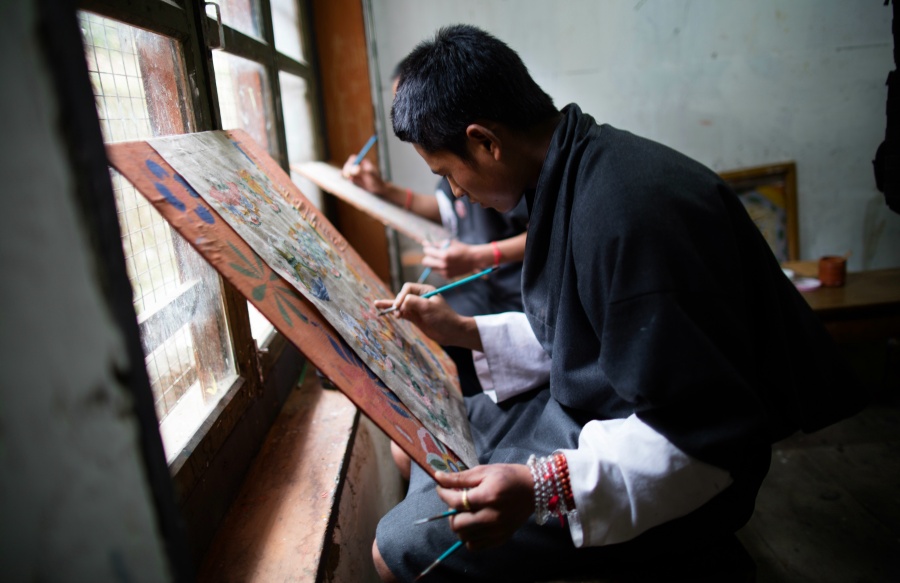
(445, 207)
(513, 361)
(627, 478)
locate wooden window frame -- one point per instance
(222, 449)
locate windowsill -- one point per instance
(282, 519)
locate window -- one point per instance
(208, 352)
(176, 294)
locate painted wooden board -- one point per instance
(240, 210)
(330, 179)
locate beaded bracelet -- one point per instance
(560, 459)
(552, 487)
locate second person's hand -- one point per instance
(365, 175)
(456, 258)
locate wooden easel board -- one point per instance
(330, 179)
(240, 210)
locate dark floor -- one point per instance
(829, 510)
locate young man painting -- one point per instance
(628, 413)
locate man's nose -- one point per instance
(457, 191)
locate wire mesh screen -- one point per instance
(138, 83)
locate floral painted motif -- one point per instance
(285, 298)
(261, 193)
(234, 202)
(301, 271)
(436, 454)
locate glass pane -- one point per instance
(244, 99)
(244, 103)
(242, 15)
(296, 102)
(260, 327)
(286, 25)
(140, 91)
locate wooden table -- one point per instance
(867, 307)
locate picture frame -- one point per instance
(769, 193)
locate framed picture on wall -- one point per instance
(769, 194)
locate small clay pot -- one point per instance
(833, 270)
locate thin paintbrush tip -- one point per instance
(445, 514)
(446, 554)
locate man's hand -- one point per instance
(365, 175)
(433, 316)
(457, 258)
(500, 499)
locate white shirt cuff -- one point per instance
(513, 361)
(627, 478)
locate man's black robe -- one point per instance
(654, 293)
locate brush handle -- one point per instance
(365, 149)
(458, 283)
(446, 554)
(427, 271)
(447, 287)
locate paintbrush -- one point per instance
(427, 270)
(447, 287)
(446, 514)
(446, 554)
(365, 149)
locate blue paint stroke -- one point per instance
(393, 401)
(156, 169)
(238, 146)
(204, 214)
(190, 189)
(337, 348)
(167, 194)
(318, 290)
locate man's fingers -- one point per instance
(408, 289)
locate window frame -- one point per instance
(263, 372)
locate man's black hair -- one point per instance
(464, 75)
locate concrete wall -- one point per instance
(74, 498)
(729, 82)
(372, 487)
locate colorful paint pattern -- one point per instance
(286, 233)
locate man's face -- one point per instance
(483, 180)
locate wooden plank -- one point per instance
(282, 518)
(871, 475)
(329, 179)
(866, 293)
(809, 527)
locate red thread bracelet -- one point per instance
(409, 196)
(497, 255)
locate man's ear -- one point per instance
(483, 140)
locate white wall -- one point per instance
(74, 497)
(729, 82)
